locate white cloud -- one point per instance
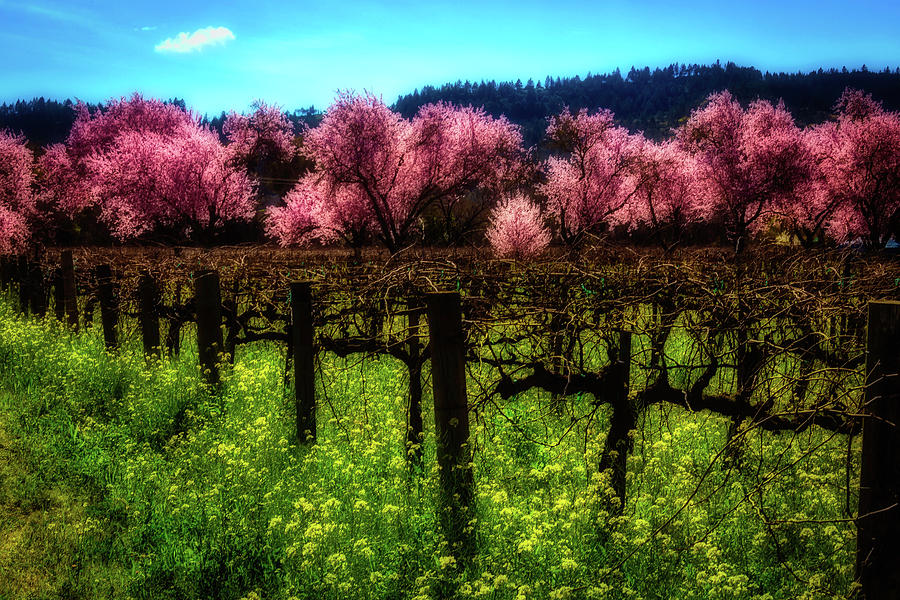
(189, 42)
(147, 28)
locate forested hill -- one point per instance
(656, 101)
(43, 122)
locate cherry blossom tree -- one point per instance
(398, 168)
(146, 166)
(462, 150)
(61, 187)
(587, 186)
(751, 160)
(16, 194)
(62, 197)
(860, 160)
(807, 213)
(14, 232)
(313, 212)
(68, 187)
(264, 134)
(97, 132)
(263, 144)
(183, 181)
(517, 228)
(668, 193)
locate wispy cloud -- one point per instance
(80, 17)
(189, 42)
(146, 28)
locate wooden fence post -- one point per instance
(24, 283)
(230, 313)
(208, 306)
(414, 429)
(109, 306)
(36, 289)
(59, 302)
(69, 298)
(878, 521)
(451, 416)
(149, 315)
(303, 357)
(4, 272)
(173, 333)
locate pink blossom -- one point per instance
(14, 232)
(17, 205)
(314, 212)
(186, 181)
(266, 134)
(390, 170)
(751, 161)
(590, 184)
(97, 132)
(860, 161)
(517, 228)
(668, 192)
(807, 212)
(61, 187)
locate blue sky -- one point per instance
(299, 53)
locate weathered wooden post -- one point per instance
(69, 299)
(59, 302)
(4, 273)
(36, 289)
(89, 304)
(414, 428)
(451, 416)
(623, 420)
(208, 306)
(24, 283)
(303, 358)
(878, 521)
(149, 314)
(109, 306)
(173, 333)
(230, 313)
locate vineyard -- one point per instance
(627, 423)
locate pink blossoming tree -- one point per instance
(266, 134)
(392, 169)
(806, 213)
(668, 193)
(16, 195)
(262, 143)
(183, 182)
(313, 212)
(61, 187)
(517, 229)
(860, 160)
(97, 132)
(751, 160)
(587, 186)
(145, 166)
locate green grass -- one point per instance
(120, 479)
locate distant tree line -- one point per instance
(652, 101)
(656, 101)
(45, 122)
(42, 122)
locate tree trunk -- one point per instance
(618, 441)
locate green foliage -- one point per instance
(135, 481)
